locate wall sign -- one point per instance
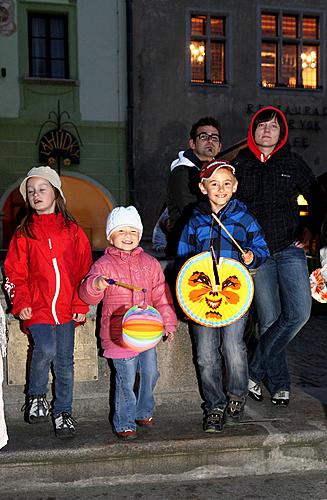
(59, 144)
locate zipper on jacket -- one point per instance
(55, 298)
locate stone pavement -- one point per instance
(307, 355)
(268, 440)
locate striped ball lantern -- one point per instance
(142, 328)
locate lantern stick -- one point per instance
(228, 233)
(111, 281)
(215, 270)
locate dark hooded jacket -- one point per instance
(182, 195)
(270, 185)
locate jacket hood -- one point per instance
(234, 204)
(282, 140)
(187, 159)
(111, 250)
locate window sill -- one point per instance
(208, 84)
(287, 89)
(51, 81)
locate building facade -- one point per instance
(225, 59)
(63, 102)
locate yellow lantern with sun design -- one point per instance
(212, 303)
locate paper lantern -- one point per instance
(318, 286)
(142, 328)
(207, 302)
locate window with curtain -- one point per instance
(207, 49)
(290, 50)
(48, 46)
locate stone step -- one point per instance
(269, 439)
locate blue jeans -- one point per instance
(53, 344)
(131, 405)
(212, 345)
(283, 302)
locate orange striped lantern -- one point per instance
(142, 328)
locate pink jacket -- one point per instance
(136, 268)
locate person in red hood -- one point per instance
(270, 178)
(47, 257)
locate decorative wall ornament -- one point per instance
(7, 16)
(59, 144)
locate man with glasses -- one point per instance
(183, 184)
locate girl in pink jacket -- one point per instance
(125, 261)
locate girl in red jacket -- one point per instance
(125, 261)
(48, 256)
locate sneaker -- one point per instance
(37, 409)
(214, 421)
(281, 398)
(235, 408)
(255, 391)
(64, 425)
(146, 421)
(126, 434)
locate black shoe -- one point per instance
(255, 391)
(281, 398)
(36, 409)
(64, 425)
(235, 408)
(214, 421)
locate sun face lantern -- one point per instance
(208, 303)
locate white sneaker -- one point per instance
(64, 425)
(255, 391)
(281, 398)
(37, 409)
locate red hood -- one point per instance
(251, 143)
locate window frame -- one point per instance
(297, 41)
(23, 9)
(47, 16)
(208, 38)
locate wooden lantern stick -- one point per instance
(228, 233)
(125, 285)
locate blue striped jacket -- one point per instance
(202, 230)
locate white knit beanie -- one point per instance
(122, 217)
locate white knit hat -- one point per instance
(122, 217)
(46, 173)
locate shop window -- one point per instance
(48, 46)
(290, 50)
(207, 49)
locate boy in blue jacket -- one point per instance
(219, 184)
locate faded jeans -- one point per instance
(53, 344)
(131, 405)
(212, 345)
(283, 302)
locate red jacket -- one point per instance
(136, 268)
(44, 273)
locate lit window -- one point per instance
(207, 49)
(48, 46)
(290, 50)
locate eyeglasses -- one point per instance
(203, 136)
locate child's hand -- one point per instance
(79, 318)
(168, 336)
(100, 283)
(248, 257)
(25, 313)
